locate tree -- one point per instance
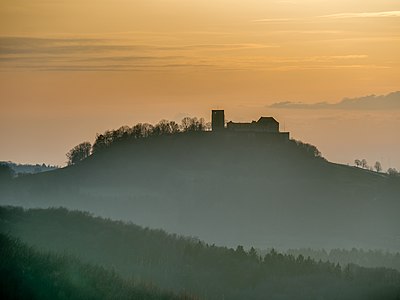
(378, 166)
(165, 127)
(364, 163)
(6, 172)
(392, 172)
(253, 253)
(186, 124)
(309, 149)
(240, 250)
(79, 153)
(193, 124)
(357, 162)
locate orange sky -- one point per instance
(69, 69)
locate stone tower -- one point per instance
(217, 120)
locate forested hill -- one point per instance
(250, 189)
(26, 273)
(182, 265)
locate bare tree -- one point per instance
(392, 172)
(357, 162)
(378, 166)
(79, 153)
(364, 163)
(193, 124)
(186, 124)
(165, 127)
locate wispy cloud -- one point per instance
(350, 15)
(384, 102)
(382, 14)
(275, 20)
(85, 54)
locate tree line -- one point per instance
(365, 258)
(362, 163)
(146, 130)
(138, 131)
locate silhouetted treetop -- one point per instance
(79, 153)
(144, 130)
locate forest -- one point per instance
(26, 273)
(365, 258)
(179, 264)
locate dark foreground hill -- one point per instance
(26, 273)
(228, 189)
(170, 262)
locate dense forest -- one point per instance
(26, 273)
(366, 258)
(185, 265)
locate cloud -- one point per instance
(275, 20)
(86, 54)
(372, 102)
(89, 54)
(382, 14)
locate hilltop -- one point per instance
(228, 189)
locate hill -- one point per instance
(174, 263)
(26, 273)
(23, 169)
(227, 189)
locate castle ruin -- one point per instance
(266, 125)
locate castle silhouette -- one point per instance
(267, 125)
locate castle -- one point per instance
(267, 125)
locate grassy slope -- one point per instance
(182, 264)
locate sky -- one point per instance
(71, 69)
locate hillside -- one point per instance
(227, 189)
(26, 273)
(171, 262)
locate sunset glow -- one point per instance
(70, 69)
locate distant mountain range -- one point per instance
(227, 189)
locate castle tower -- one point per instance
(217, 120)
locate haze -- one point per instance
(70, 69)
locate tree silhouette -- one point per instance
(378, 166)
(165, 127)
(392, 172)
(79, 153)
(193, 124)
(364, 163)
(357, 162)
